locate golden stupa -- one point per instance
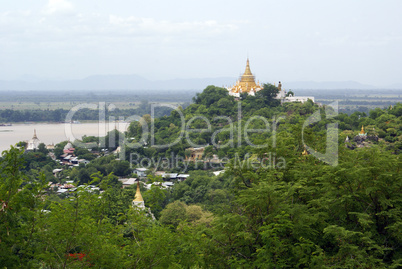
(305, 152)
(246, 83)
(362, 132)
(138, 196)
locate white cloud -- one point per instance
(151, 26)
(58, 6)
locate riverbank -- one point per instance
(53, 133)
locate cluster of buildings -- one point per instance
(67, 158)
(34, 142)
(138, 201)
(128, 182)
(68, 186)
(247, 84)
(71, 160)
(142, 173)
(169, 179)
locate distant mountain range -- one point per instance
(114, 82)
(135, 82)
(327, 85)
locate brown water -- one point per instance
(53, 132)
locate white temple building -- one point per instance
(282, 95)
(246, 84)
(33, 144)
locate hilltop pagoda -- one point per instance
(245, 84)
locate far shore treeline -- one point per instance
(59, 115)
(48, 106)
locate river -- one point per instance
(53, 133)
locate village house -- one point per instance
(194, 154)
(141, 172)
(68, 148)
(182, 177)
(50, 147)
(170, 176)
(127, 182)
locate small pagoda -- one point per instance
(138, 201)
(362, 132)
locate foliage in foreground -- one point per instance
(308, 215)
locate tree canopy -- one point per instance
(274, 206)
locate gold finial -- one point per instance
(138, 196)
(362, 130)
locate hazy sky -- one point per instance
(285, 40)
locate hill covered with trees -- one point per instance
(276, 205)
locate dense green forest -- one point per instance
(275, 206)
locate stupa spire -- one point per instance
(247, 72)
(138, 196)
(34, 136)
